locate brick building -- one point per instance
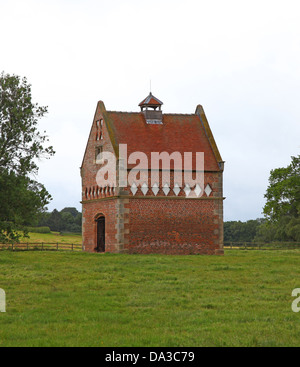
(152, 216)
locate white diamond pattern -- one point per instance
(197, 190)
(166, 189)
(133, 189)
(176, 189)
(144, 188)
(187, 190)
(155, 189)
(208, 190)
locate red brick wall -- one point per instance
(89, 168)
(174, 226)
(89, 227)
(90, 192)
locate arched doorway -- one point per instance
(100, 223)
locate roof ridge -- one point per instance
(124, 112)
(139, 112)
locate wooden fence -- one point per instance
(41, 246)
(47, 246)
(262, 246)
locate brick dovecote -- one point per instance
(159, 219)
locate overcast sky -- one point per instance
(240, 59)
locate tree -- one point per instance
(282, 209)
(236, 231)
(21, 145)
(73, 211)
(21, 201)
(55, 221)
(20, 141)
(44, 219)
(67, 220)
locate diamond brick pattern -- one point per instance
(197, 190)
(155, 189)
(176, 189)
(144, 188)
(166, 189)
(208, 190)
(187, 190)
(133, 189)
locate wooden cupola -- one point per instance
(151, 107)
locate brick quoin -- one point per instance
(149, 223)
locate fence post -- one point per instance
(27, 246)
(57, 246)
(231, 245)
(72, 247)
(42, 246)
(12, 246)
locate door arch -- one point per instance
(100, 231)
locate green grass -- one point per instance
(53, 237)
(80, 299)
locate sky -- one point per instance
(239, 59)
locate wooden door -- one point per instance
(101, 234)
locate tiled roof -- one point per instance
(151, 101)
(177, 133)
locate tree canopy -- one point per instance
(283, 192)
(282, 208)
(21, 145)
(237, 231)
(67, 220)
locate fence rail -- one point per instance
(48, 246)
(262, 246)
(41, 246)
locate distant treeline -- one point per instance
(67, 220)
(260, 230)
(236, 231)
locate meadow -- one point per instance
(53, 237)
(80, 299)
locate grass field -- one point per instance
(80, 299)
(53, 237)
